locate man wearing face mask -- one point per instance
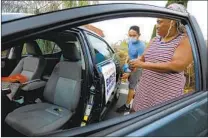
(135, 50)
(163, 63)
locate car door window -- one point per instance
(56, 49)
(101, 49)
(46, 47)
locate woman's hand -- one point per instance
(135, 63)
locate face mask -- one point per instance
(133, 40)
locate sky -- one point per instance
(117, 29)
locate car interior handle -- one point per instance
(6, 91)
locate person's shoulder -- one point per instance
(142, 43)
(185, 39)
(156, 38)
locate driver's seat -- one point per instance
(62, 94)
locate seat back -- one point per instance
(32, 66)
(64, 85)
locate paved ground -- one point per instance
(122, 99)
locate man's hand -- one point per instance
(133, 69)
(125, 76)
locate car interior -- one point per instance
(52, 101)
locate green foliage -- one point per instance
(45, 46)
(69, 4)
(183, 2)
(83, 3)
(4, 53)
(154, 32)
(37, 7)
(24, 52)
(78, 3)
(124, 45)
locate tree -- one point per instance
(78, 3)
(33, 7)
(37, 7)
(183, 2)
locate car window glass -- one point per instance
(148, 32)
(46, 47)
(56, 49)
(5, 53)
(101, 49)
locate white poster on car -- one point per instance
(109, 73)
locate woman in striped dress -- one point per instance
(163, 63)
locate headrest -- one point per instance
(33, 48)
(70, 52)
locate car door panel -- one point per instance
(143, 127)
(178, 123)
(134, 122)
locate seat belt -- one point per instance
(89, 107)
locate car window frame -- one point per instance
(92, 48)
(174, 101)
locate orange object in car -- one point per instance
(15, 78)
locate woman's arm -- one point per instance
(181, 59)
(142, 58)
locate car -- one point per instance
(183, 116)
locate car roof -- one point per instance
(12, 16)
(66, 17)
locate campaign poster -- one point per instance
(109, 73)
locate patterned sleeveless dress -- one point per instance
(155, 88)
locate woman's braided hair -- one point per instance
(180, 8)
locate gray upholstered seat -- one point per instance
(32, 66)
(39, 118)
(62, 93)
